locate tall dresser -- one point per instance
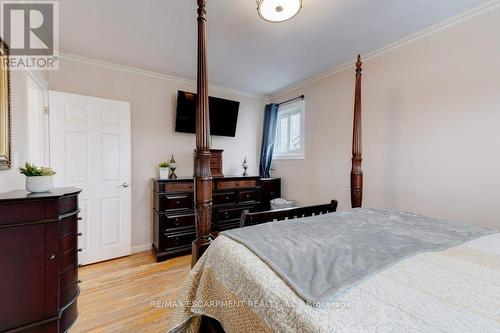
(173, 212)
(38, 260)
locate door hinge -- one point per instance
(46, 110)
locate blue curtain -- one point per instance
(268, 137)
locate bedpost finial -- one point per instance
(202, 8)
(358, 65)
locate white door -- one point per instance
(90, 149)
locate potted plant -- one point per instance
(38, 179)
(164, 166)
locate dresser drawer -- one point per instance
(11, 213)
(230, 214)
(68, 259)
(68, 277)
(270, 188)
(248, 195)
(170, 223)
(68, 242)
(68, 225)
(68, 204)
(224, 198)
(224, 184)
(68, 294)
(184, 186)
(177, 240)
(174, 201)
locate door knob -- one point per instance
(125, 185)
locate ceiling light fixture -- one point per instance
(278, 10)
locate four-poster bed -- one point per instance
(203, 178)
(383, 264)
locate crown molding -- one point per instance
(139, 71)
(480, 10)
(456, 20)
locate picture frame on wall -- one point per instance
(5, 108)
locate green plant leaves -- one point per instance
(31, 170)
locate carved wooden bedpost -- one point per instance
(356, 172)
(203, 177)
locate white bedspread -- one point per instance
(457, 290)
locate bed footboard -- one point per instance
(248, 219)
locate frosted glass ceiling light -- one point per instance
(278, 10)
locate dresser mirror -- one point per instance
(5, 112)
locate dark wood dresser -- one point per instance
(38, 260)
(174, 222)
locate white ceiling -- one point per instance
(244, 52)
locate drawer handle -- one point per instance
(177, 202)
(80, 234)
(177, 240)
(227, 198)
(52, 257)
(177, 221)
(248, 195)
(79, 281)
(80, 250)
(226, 214)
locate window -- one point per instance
(289, 143)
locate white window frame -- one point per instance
(283, 111)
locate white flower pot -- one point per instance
(39, 184)
(163, 173)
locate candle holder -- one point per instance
(173, 166)
(245, 166)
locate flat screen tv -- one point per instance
(223, 114)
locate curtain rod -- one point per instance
(293, 99)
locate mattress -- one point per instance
(455, 290)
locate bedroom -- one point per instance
(429, 132)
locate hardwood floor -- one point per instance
(117, 294)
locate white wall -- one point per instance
(431, 128)
(12, 179)
(153, 102)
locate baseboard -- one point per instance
(141, 248)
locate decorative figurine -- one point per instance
(245, 166)
(173, 166)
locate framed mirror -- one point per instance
(5, 108)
